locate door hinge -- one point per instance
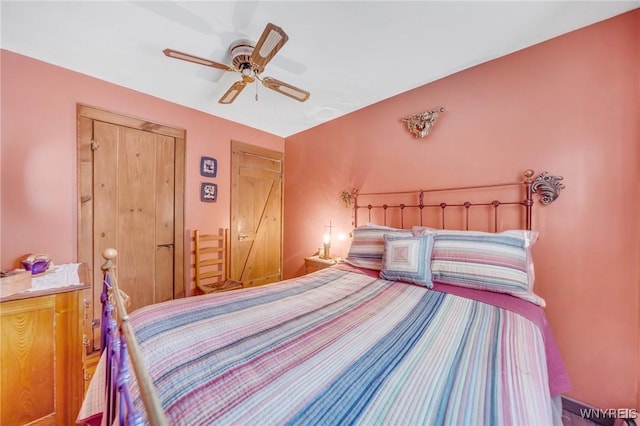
(95, 323)
(94, 145)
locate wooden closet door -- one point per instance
(133, 201)
(256, 215)
(131, 198)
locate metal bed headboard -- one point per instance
(546, 185)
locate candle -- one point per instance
(326, 243)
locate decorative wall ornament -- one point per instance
(347, 197)
(420, 124)
(208, 166)
(548, 186)
(208, 192)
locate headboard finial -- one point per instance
(528, 175)
(548, 186)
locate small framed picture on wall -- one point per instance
(208, 166)
(208, 192)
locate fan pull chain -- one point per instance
(256, 93)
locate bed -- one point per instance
(420, 326)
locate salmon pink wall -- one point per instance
(570, 106)
(38, 148)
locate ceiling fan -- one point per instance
(249, 60)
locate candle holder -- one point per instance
(326, 246)
(326, 251)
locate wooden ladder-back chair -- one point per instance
(211, 266)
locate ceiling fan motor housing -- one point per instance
(240, 52)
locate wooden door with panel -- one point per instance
(256, 214)
(130, 180)
(130, 209)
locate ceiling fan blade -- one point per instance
(271, 40)
(286, 89)
(196, 60)
(233, 92)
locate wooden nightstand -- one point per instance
(315, 263)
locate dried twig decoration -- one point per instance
(348, 197)
(420, 124)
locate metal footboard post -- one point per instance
(108, 331)
(130, 414)
(118, 397)
(118, 361)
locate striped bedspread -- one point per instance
(342, 347)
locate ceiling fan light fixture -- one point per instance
(246, 70)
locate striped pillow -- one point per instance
(407, 259)
(499, 262)
(367, 245)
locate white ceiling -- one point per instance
(348, 54)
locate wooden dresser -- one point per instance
(41, 357)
